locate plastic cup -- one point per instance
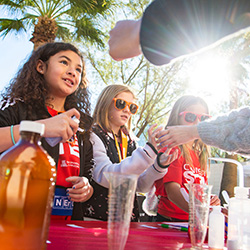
(199, 202)
(120, 205)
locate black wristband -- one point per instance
(153, 148)
(158, 161)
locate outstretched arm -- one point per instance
(230, 132)
(124, 41)
(177, 135)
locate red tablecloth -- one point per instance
(80, 235)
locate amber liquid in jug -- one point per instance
(27, 179)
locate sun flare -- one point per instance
(210, 77)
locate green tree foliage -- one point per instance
(68, 20)
(155, 87)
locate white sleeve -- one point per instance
(149, 176)
(137, 163)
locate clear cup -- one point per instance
(120, 205)
(199, 202)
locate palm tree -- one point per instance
(69, 20)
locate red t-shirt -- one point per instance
(69, 159)
(182, 173)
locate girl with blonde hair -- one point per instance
(190, 165)
(114, 149)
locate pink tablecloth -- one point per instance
(80, 235)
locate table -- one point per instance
(92, 235)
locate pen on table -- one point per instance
(185, 229)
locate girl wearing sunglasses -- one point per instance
(189, 167)
(114, 149)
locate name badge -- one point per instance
(62, 204)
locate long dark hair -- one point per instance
(30, 87)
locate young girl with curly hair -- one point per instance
(51, 88)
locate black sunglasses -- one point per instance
(192, 117)
(121, 104)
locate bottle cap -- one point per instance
(31, 126)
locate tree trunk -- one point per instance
(44, 31)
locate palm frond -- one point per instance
(10, 25)
(85, 29)
(76, 19)
(92, 7)
(14, 5)
(63, 33)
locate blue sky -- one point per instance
(14, 50)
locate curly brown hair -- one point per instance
(30, 87)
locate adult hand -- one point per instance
(174, 136)
(81, 190)
(124, 41)
(61, 125)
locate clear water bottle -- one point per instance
(27, 180)
(216, 230)
(238, 220)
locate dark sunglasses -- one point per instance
(192, 117)
(120, 104)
